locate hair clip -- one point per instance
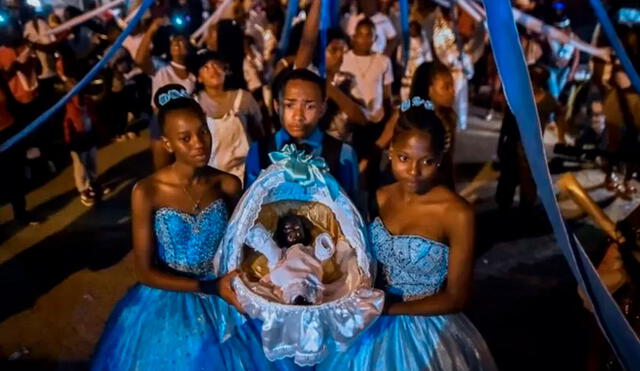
(416, 102)
(172, 94)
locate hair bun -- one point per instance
(169, 93)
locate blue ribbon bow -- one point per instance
(304, 168)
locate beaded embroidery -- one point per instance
(414, 266)
(188, 243)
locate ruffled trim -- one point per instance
(308, 333)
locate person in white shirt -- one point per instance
(372, 71)
(385, 31)
(419, 52)
(175, 72)
(233, 116)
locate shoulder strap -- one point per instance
(237, 101)
(331, 148)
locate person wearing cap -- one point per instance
(163, 73)
(563, 58)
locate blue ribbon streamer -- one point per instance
(80, 85)
(292, 11)
(404, 22)
(517, 87)
(325, 23)
(334, 10)
(608, 29)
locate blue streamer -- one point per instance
(404, 22)
(517, 87)
(608, 29)
(292, 11)
(325, 23)
(81, 84)
(334, 6)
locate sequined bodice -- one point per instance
(187, 243)
(414, 267)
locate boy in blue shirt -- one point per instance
(301, 105)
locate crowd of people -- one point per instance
(234, 73)
(382, 114)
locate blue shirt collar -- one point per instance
(314, 140)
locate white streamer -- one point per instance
(131, 15)
(213, 19)
(84, 17)
(533, 24)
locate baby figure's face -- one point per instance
(294, 232)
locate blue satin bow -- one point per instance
(304, 168)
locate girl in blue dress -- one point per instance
(422, 237)
(176, 318)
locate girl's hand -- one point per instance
(389, 301)
(226, 292)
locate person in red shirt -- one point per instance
(78, 134)
(12, 161)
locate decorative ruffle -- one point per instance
(308, 333)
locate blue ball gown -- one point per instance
(155, 329)
(414, 267)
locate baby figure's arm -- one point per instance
(324, 248)
(260, 240)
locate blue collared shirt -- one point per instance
(347, 174)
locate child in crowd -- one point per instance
(78, 135)
(174, 72)
(419, 52)
(372, 71)
(233, 116)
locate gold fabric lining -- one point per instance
(322, 219)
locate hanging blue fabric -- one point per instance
(292, 11)
(608, 29)
(81, 84)
(334, 6)
(325, 24)
(517, 87)
(404, 23)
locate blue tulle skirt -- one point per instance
(153, 329)
(445, 342)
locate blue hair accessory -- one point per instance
(416, 102)
(172, 94)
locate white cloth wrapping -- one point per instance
(296, 271)
(260, 240)
(298, 274)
